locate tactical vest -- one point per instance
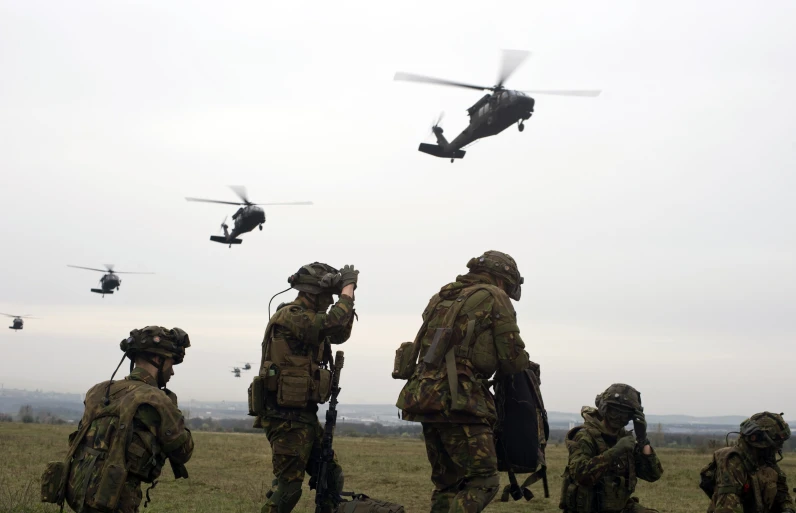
(104, 453)
(442, 355)
(613, 491)
(296, 379)
(759, 494)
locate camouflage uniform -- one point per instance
(747, 477)
(103, 440)
(458, 428)
(305, 330)
(605, 461)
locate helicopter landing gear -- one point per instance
(451, 161)
(261, 227)
(521, 126)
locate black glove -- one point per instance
(624, 445)
(640, 427)
(348, 276)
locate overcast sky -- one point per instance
(655, 225)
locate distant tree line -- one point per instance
(354, 429)
(28, 415)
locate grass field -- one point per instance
(232, 472)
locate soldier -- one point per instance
(469, 333)
(128, 430)
(745, 477)
(605, 460)
(295, 377)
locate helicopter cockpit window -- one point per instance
(504, 96)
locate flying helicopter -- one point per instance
(248, 217)
(109, 281)
(493, 113)
(17, 323)
(247, 366)
(236, 371)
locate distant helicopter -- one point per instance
(247, 218)
(247, 366)
(491, 114)
(108, 282)
(236, 371)
(17, 323)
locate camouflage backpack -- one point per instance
(361, 503)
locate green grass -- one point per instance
(230, 473)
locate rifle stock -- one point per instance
(322, 490)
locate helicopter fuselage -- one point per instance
(16, 324)
(108, 283)
(489, 116)
(247, 219)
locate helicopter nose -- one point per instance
(528, 103)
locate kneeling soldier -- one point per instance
(605, 460)
(745, 477)
(129, 429)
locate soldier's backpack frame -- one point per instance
(522, 433)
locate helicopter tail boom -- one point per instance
(103, 292)
(440, 151)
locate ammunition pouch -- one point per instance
(109, 489)
(361, 503)
(144, 458)
(321, 385)
(405, 361)
(613, 493)
(263, 383)
(294, 382)
(52, 482)
(578, 499)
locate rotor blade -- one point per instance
(109, 267)
(215, 201)
(566, 92)
(286, 203)
(241, 192)
(511, 61)
(128, 272)
(9, 315)
(410, 77)
(27, 316)
(88, 268)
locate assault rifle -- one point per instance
(322, 490)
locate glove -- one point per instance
(348, 276)
(625, 444)
(640, 426)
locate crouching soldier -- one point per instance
(605, 461)
(128, 430)
(745, 478)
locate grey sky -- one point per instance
(655, 225)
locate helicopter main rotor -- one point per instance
(511, 60)
(240, 191)
(108, 269)
(26, 316)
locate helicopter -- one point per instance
(109, 281)
(247, 366)
(236, 371)
(17, 323)
(490, 115)
(248, 217)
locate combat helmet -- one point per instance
(765, 430)
(315, 278)
(620, 396)
(500, 265)
(156, 340)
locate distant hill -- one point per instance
(70, 407)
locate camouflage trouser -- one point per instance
(463, 466)
(292, 444)
(634, 507)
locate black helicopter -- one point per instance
(247, 366)
(248, 217)
(491, 114)
(236, 371)
(109, 281)
(17, 323)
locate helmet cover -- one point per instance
(765, 430)
(170, 343)
(316, 278)
(500, 265)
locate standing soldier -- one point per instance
(469, 333)
(294, 377)
(745, 477)
(605, 460)
(128, 430)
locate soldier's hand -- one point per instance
(640, 426)
(348, 276)
(624, 445)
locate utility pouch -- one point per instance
(51, 481)
(322, 386)
(109, 488)
(580, 498)
(257, 395)
(405, 361)
(293, 387)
